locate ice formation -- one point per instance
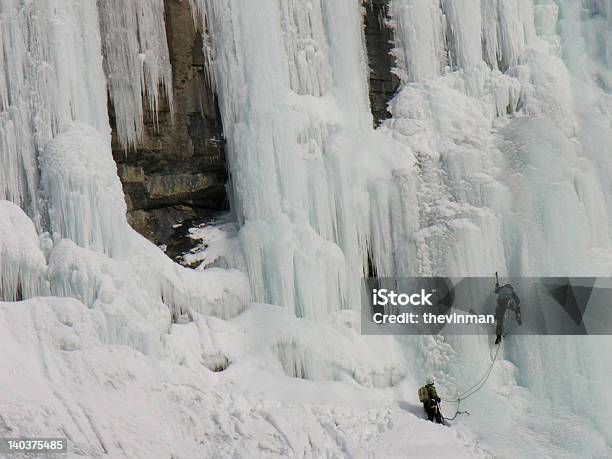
(50, 76)
(512, 177)
(136, 62)
(22, 262)
(496, 158)
(296, 116)
(496, 103)
(77, 168)
(57, 165)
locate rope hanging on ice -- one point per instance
(472, 390)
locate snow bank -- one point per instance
(108, 400)
(140, 295)
(215, 291)
(132, 315)
(271, 337)
(216, 244)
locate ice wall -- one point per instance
(496, 158)
(512, 144)
(292, 95)
(494, 132)
(310, 177)
(51, 75)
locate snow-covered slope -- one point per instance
(110, 400)
(496, 158)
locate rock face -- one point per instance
(177, 172)
(379, 43)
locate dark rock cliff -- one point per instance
(177, 172)
(379, 43)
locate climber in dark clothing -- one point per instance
(429, 397)
(506, 298)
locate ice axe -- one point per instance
(496, 278)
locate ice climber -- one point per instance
(429, 397)
(506, 298)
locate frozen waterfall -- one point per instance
(312, 182)
(496, 157)
(58, 167)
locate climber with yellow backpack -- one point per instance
(430, 400)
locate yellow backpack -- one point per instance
(423, 394)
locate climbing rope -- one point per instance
(457, 413)
(476, 387)
(472, 390)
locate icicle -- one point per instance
(420, 38)
(516, 29)
(463, 32)
(490, 38)
(84, 194)
(305, 44)
(546, 14)
(136, 62)
(22, 263)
